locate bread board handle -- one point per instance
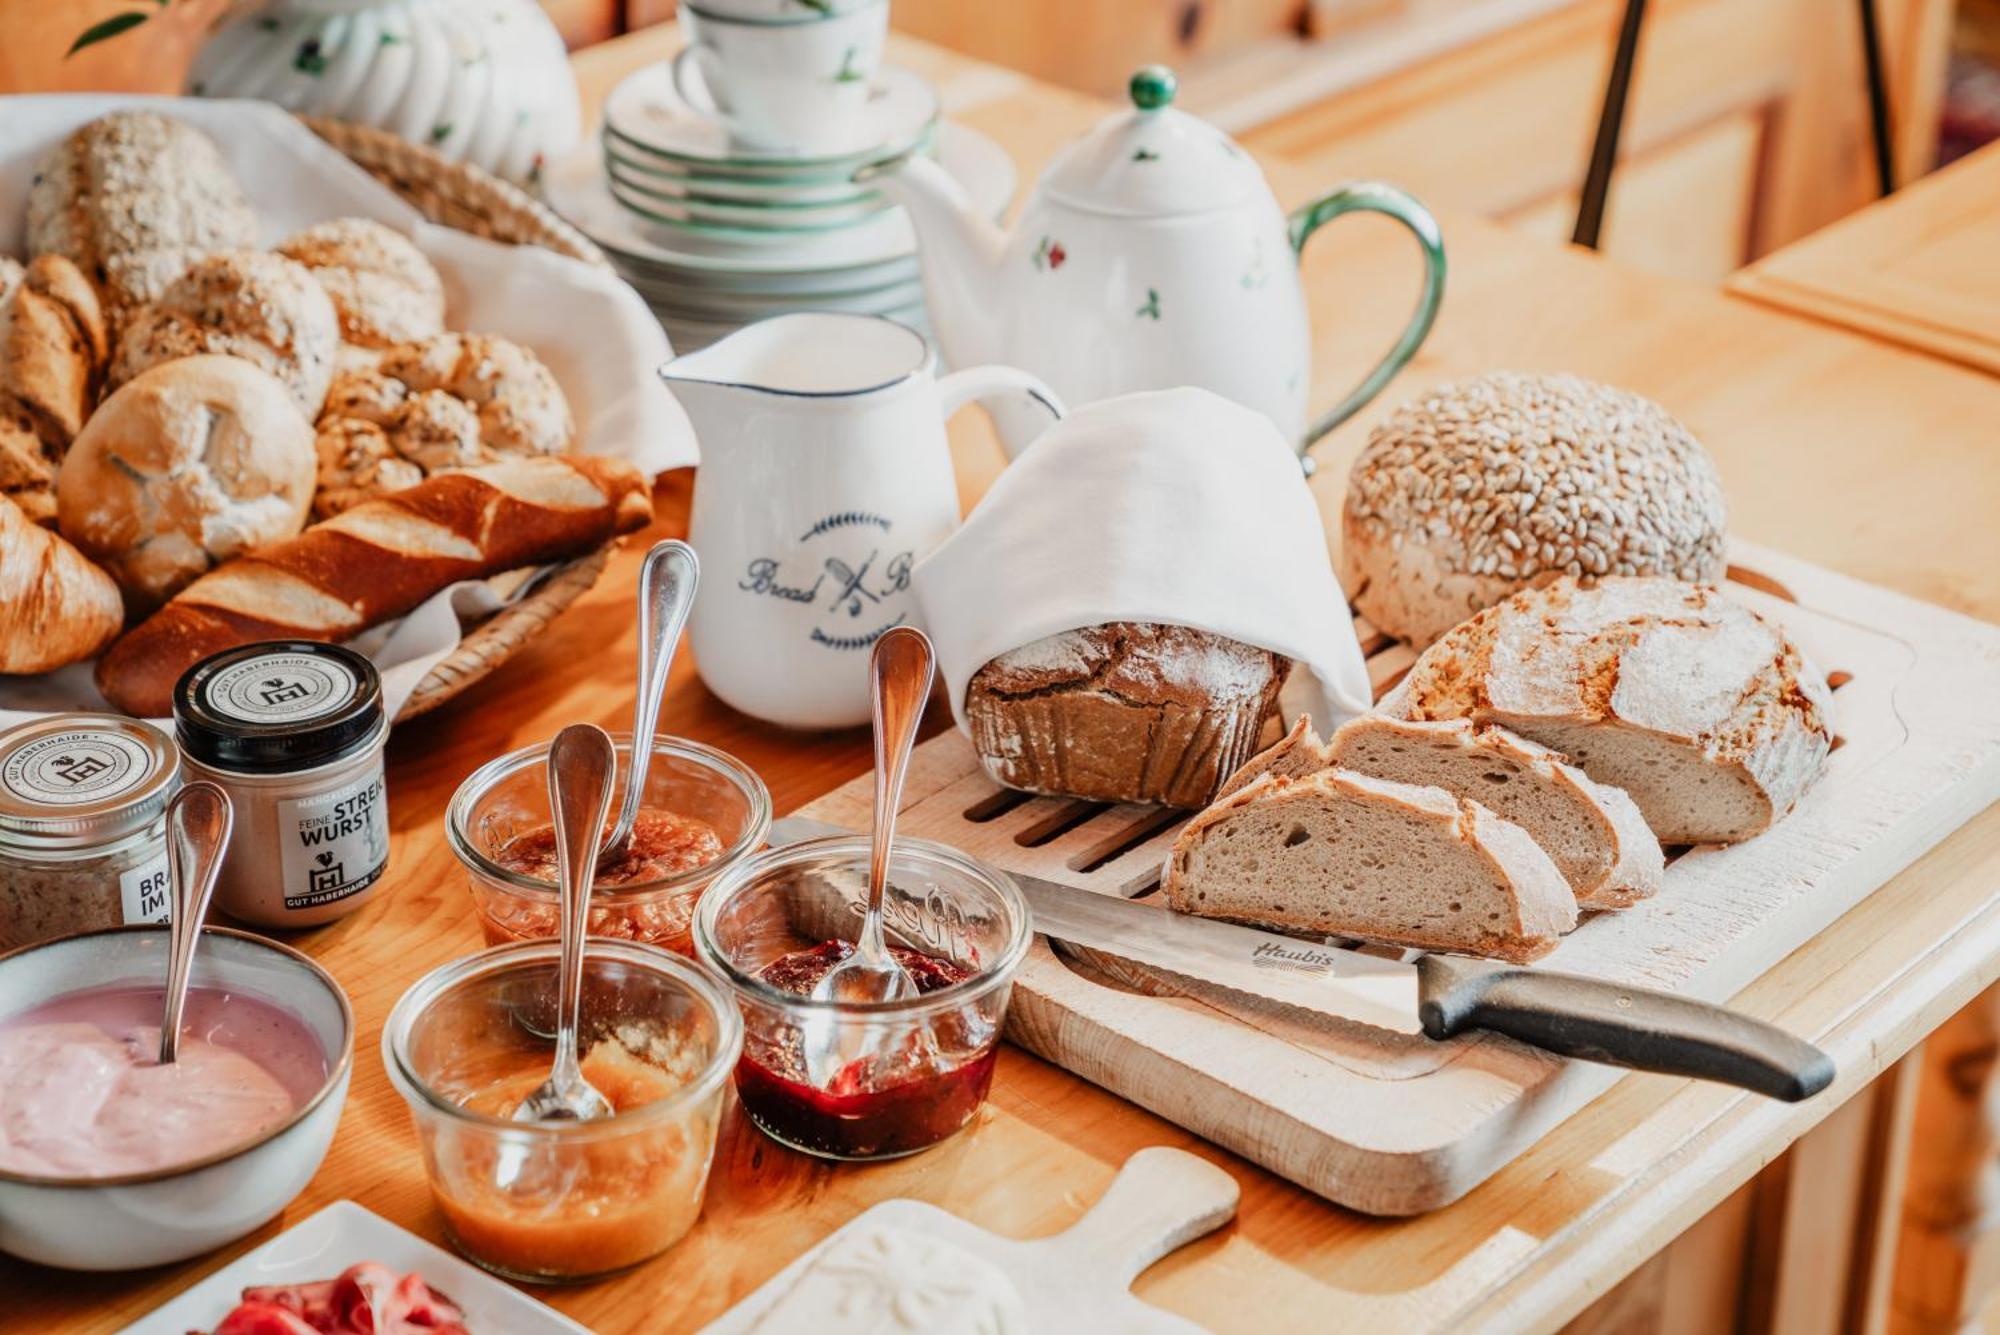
(1161, 1200)
(1645, 1030)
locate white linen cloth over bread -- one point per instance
(1177, 506)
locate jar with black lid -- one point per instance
(83, 826)
(294, 730)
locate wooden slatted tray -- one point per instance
(1395, 1124)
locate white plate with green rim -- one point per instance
(673, 209)
(576, 187)
(647, 111)
(734, 189)
(900, 296)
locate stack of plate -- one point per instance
(715, 235)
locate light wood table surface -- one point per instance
(1920, 268)
(1865, 458)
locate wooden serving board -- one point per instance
(1393, 1124)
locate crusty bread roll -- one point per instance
(55, 606)
(1479, 488)
(1702, 711)
(377, 561)
(383, 289)
(263, 308)
(1126, 712)
(191, 464)
(1344, 854)
(53, 345)
(1593, 831)
(453, 401)
(132, 197)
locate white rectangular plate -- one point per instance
(340, 1236)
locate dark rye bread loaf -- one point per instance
(1124, 712)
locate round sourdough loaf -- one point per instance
(1707, 716)
(1485, 486)
(190, 464)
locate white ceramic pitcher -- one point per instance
(825, 476)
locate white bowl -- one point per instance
(146, 1219)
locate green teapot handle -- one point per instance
(1375, 197)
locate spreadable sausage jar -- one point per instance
(83, 835)
(294, 731)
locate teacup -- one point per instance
(795, 84)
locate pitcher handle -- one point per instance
(1376, 197)
(985, 382)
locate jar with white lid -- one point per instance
(293, 730)
(83, 834)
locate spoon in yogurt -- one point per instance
(199, 819)
(667, 583)
(581, 766)
(900, 668)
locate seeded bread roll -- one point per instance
(449, 402)
(53, 346)
(1502, 482)
(1704, 713)
(1126, 712)
(1343, 854)
(383, 289)
(241, 303)
(131, 198)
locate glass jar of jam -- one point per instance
(703, 811)
(83, 827)
(775, 924)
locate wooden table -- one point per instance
(1869, 459)
(1920, 268)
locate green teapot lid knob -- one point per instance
(1153, 87)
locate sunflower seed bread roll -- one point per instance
(376, 562)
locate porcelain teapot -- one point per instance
(1152, 254)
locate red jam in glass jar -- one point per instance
(920, 1087)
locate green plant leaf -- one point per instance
(109, 28)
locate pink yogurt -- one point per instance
(82, 1093)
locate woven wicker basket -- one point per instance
(472, 200)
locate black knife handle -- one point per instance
(1646, 1030)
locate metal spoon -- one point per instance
(581, 766)
(899, 670)
(199, 819)
(667, 584)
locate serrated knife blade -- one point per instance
(1324, 979)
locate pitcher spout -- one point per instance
(959, 251)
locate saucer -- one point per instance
(658, 174)
(576, 187)
(678, 208)
(648, 112)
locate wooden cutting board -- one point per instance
(1393, 1124)
(1077, 1280)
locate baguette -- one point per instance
(376, 562)
(55, 606)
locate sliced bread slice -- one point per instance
(1348, 855)
(1709, 718)
(1593, 831)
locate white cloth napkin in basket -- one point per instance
(1178, 506)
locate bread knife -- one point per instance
(1440, 996)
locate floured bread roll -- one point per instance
(383, 289)
(131, 198)
(189, 465)
(881, 1281)
(263, 308)
(53, 347)
(454, 401)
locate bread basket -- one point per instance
(472, 200)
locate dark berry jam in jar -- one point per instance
(774, 925)
(920, 1086)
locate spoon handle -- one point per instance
(899, 674)
(581, 765)
(199, 819)
(667, 583)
